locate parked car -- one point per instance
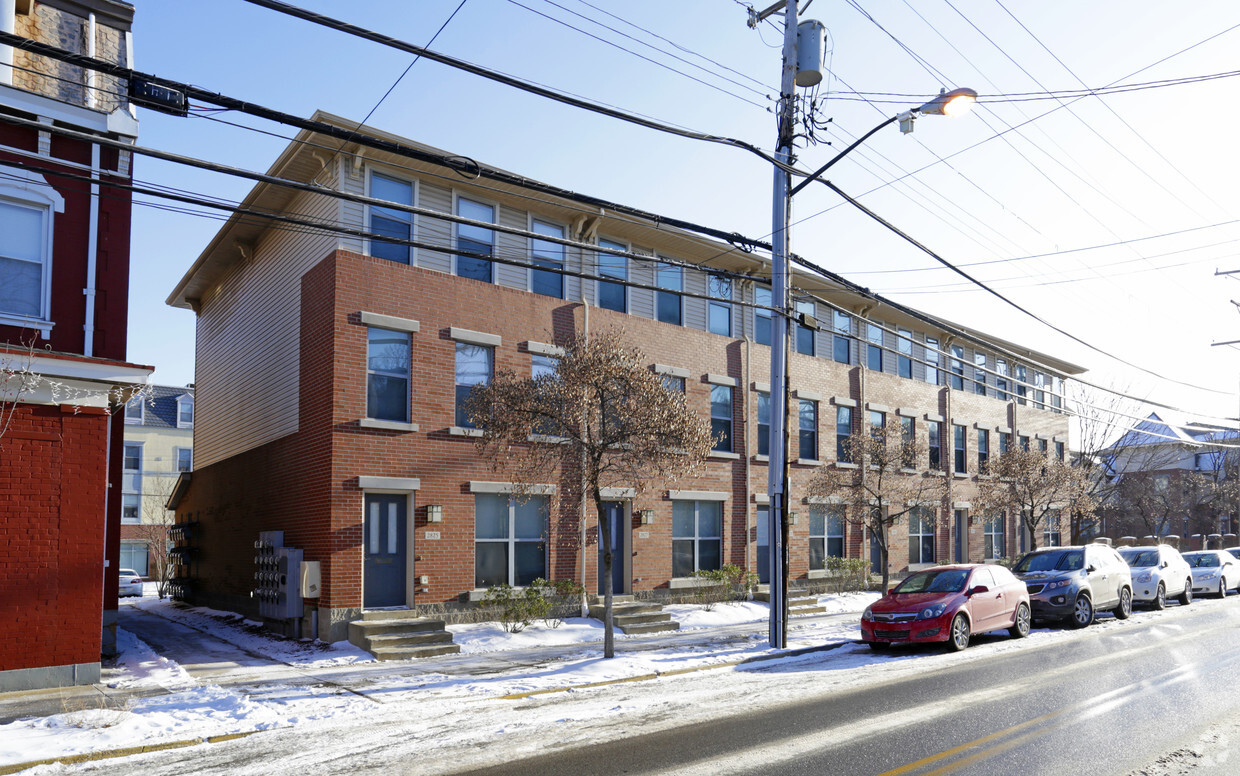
(1214, 571)
(131, 583)
(948, 603)
(1235, 551)
(1073, 583)
(1159, 572)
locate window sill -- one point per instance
(683, 583)
(44, 327)
(808, 462)
(907, 470)
(845, 465)
(960, 475)
(548, 439)
(724, 454)
(762, 459)
(936, 472)
(464, 432)
(387, 425)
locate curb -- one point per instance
(108, 754)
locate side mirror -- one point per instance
(1165, 564)
(1091, 569)
(891, 591)
(978, 590)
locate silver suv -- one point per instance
(1159, 572)
(1072, 583)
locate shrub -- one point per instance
(542, 600)
(848, 574)
(728, 583)
(561, 596)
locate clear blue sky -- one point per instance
(1024, 185)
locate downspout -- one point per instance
(92, 249)
(91, 75)
(8, 23)
(750, 561)
(581, 512)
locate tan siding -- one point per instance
(695, 309)
(512, 246)
(641, 300)
(352, 214)
(434, 230)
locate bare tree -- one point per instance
(1036, 487)
(156, 519)
(882, 485)
(602, 413)
(1102, 418)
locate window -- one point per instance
(994, 544)
(932, 360)
(473, 367)
(807, 430)
(935, 444)
(1039, 390)
(843, 429)
(979, 373)
(904, 347)
(1059, 451)
(544, 366)
(387, 375)
(1023, 441)
(543, 253)
(131, 483)
(920, 536)
(762, 318)
(720, 313)
(1022, 390)
(983, 449)
(764, 423)
(185, 411)
(1050, 531)
(1056, 394)
(908, 443)
(185, 459)
(387, 222)
(843, 332)
(475, 239)
(805, 335)
(826, 535)
(1042, 446)
(721, 417)
(134, 411)
(1005, 442)
(131, 508)
(674, 384)
(874, 348)
(134, 556)
(697, 530)
(877, 421)
(1162, 482)
(957, 368)
(613, 295)
(958, 448)
(668, 303)
(27, 203)
(1001, 381)
(509, 541)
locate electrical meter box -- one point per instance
(277, 583)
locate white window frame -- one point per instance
(607, 242)
(182, 400)
(511, 540)
(534, 223)
(22, 188)
(456, 230)
(129, 475)
(412, 219)
(140, 404)
(176, 452)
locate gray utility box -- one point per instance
(276, 577)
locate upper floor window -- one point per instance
(1005, 442)
(932, 360)
(543, 253)
(957, 368)
(387, 375)
(721, 417)
(613, 294)
(387, 222)
(934, 436)
(1042, 446)
(843, 430)
(1023, 441)
(1001, 379)
(674, 383)
(720, 314)
(807, 430)
(1059, 451)
(131, 475)
(908, 442)
(27, 204)
(762, 317)
(1039, 390)
(185, 459)
(805, 335)
(843, 332)
(877, 421)
(134, 411)
(904, 348)
(764, 423)
(979, 373)
(473, 367)
(874, 347)
(668, 306)
(185, 411)
(983, 449)
(1022, 390)
(475, 239)
(958, 448)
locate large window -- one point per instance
(920, 536)
(720, 313)
(613, 295)
(934, 434)
(509, 539)
(904, 350)
(874, 347)
(697, 537)
(807, 430)
(764, 423)
(957, 368)
(843, 332)
(979, 373)
(475, 239)
(805, 335)
(721, 417)
(994, 543)
(960, 463)
(473, 367)
(134, 556)
(843, 429)
(668, 307)
(761, 317)
(983, 449)
(26, 212)
(387, 222)
(826, 535)
(387, 375)
(932, 360)
(543, 253)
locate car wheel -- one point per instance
(878, 646)
(1124, 610)
(1160, 597)
(1082, 611)
(1186, 597)
(1020, 625)
(958, 638)
(1222, 588)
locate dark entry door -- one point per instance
(876, 556)
(961, 533)
(613, 513)
(384, 537)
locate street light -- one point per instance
(951, 103)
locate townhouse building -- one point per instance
(64, 294)
(331, 370)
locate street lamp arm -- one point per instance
(814, 175)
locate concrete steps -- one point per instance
(798, 602)
(397, 634)
(630, 617)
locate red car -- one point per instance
(948, 603)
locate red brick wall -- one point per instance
(52, 490)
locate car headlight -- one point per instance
(930, 612)
(1144, 577)
(868, 614)
(1058, 584)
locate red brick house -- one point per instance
(64, 293)
(331, 369)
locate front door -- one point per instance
(384, 536)
(613, 513)
(961, 536)
(876, 556)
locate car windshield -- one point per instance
(1059, 560)
(1202, 560)
(934, 581)
(1140, 558)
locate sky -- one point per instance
(1108, 216)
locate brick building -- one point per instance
(330, 371)
(64, 288)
